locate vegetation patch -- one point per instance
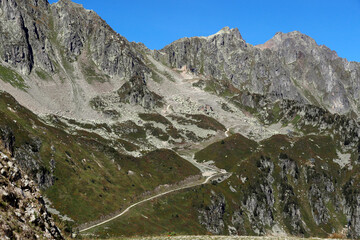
(228, 152)
(155, 117)
(90, 177)
(199, 120)
(10, 76)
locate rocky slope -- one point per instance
(100, 123)
(59, 50)
(23, 214)
(65, 48)
(290, 66)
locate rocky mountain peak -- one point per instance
(296, 41)
(71, 5)
(228, 31)
(288, 40)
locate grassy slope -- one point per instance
(10, 76)
(173, 213)
(228, 152)
(178, 213)
(88, 180)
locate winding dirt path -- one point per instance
(153, 197)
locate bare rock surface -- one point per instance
(23, 214)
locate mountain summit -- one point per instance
(63, 42)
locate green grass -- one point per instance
(169, 214)
(296, 120)
(157, 132)
(42, 75)
(130, 131)
(228, 152)
(206, 122)
(91, 177)
(236, 154)
(168, 76)
(155, 76)
(276, 112)
(10, 76)
(199, 120)
(178, 212)
(155, 117)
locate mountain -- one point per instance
(104, 125)
(288, 66)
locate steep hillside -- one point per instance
(84, 175)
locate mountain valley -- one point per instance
(207, 136)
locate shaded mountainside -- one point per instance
(100, 123)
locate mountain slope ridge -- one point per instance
(95, 53)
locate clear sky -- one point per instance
(156, 23)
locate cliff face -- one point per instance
(62, 49)
(37, 34)
(290, 66)
(81, 31)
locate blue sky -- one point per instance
(157, 23)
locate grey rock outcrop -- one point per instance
(15, 47)
(212, 216)
(24, 35)
(289, 66)
(290, 173)
(352, 198)
(135, 91)
(259, 200)
(37, 34)
(7, 139)
(83, 31)
(27, 157)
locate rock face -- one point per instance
(352, 197)
(27, 157)
(68, 44)
(22, 212)
(289, 66)
(136, 92)
(34, 33)
(61, 49)
(16, 47)
(23, 34)
(212, 216)
(83, 32)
